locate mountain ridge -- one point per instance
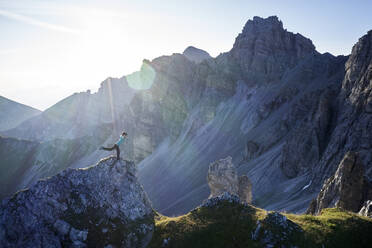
(272, 103)
(13, 113)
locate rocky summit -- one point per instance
(99, 206)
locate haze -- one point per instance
(51, 49)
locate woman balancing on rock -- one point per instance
(122, 137)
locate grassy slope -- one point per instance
(231, 225)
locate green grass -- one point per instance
(227, 225)
(335, 228)
(231, 225)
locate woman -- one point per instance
(123, 136)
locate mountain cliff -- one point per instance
(255, 115)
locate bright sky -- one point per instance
(50, 49)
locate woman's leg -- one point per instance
(117, 151)
(108, 148)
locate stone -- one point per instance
(223, 178)
(366, 209)
(75, 206)
(62, 227)
(245, 189)
(345, 189)
(275, 230)
(216, 200)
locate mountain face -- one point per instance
(13, 113)
(348, 188)
(353, 121)
(259, 117)
(102, 205)
(264, 50)
(351, 133)
(285, 113)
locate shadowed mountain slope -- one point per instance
(13, 113)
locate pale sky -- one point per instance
(50, 49)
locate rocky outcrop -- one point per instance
(98, 206)
(346, 189)
(366, 209)
(223, 177)
(275, 230)
(195, 54)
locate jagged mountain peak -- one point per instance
(264, 49)
(270, 22)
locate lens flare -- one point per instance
(143, 79)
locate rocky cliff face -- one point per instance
(260, 117)
(366, 209)
(353, 122)
(223, 177)
(348, 188)
(264, 50)
(13, 113)
(102, 205)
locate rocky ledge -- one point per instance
(99, 206)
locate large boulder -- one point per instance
(223, 177)
(98, 206)
(346, 189)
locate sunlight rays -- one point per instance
(111, 104)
